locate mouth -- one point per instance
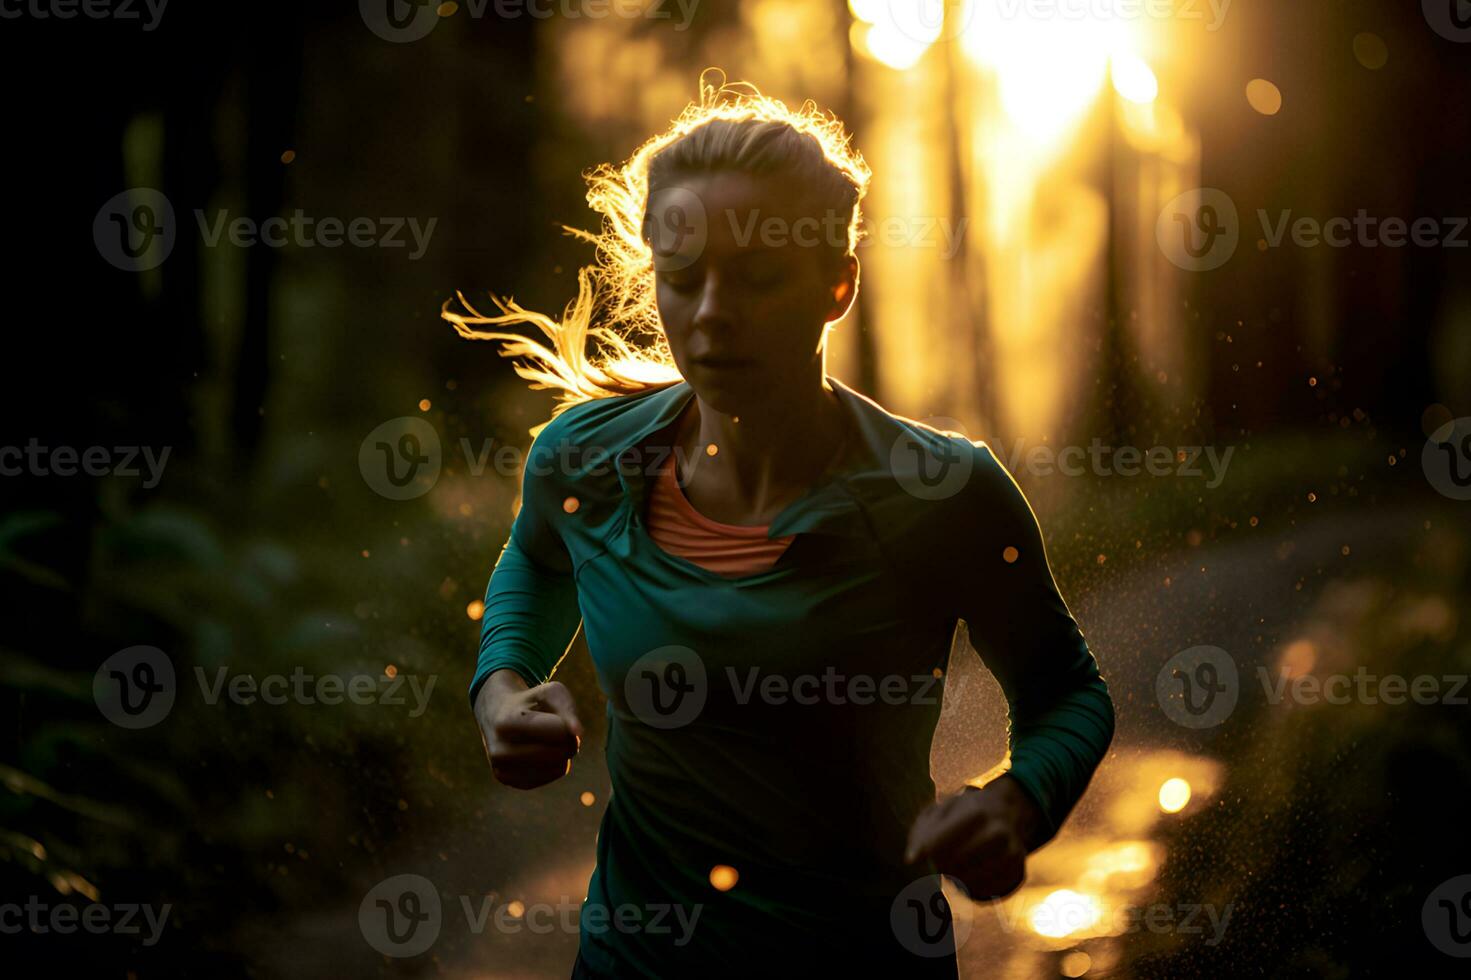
(723, 363)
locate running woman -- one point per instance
(769, 568)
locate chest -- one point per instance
(825, 635)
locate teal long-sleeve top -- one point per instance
(779, 724)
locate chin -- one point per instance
(729, 392)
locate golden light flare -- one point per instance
(1174, 793)
(424, 404)
(1297, 659)
(1065, 912)
(475, 610)
(587, 798)
(723, 877)
(1263, 96)
(570, 505)
(1075, 964)
(1134, 809)
(1048, 69)
(1133, 79)
(896, 35)
(1120, 866)
(67, 882)
(1010, 555)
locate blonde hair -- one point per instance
(615, 313)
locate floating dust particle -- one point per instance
(723, 877)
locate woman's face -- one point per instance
(745, 284)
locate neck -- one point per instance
(769, 449)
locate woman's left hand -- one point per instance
(981, 837)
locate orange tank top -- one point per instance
(732, 550)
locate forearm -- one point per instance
(1057, 740)
(531, 615)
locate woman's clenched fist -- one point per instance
(531, 734)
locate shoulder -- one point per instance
(938, 491)
(933, 456)
(932, 466)
(590, 431)
(573, 464)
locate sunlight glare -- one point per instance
(1049, 69)
(1065, 912)
(1173, 795)
(1134, 80)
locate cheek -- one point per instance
(795, 312)
(671, 308)
(674, 316)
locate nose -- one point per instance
(715, 311)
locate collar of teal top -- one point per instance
(829, 507)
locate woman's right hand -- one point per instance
(530, 734)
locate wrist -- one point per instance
(1030, 822)
(498, 684)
